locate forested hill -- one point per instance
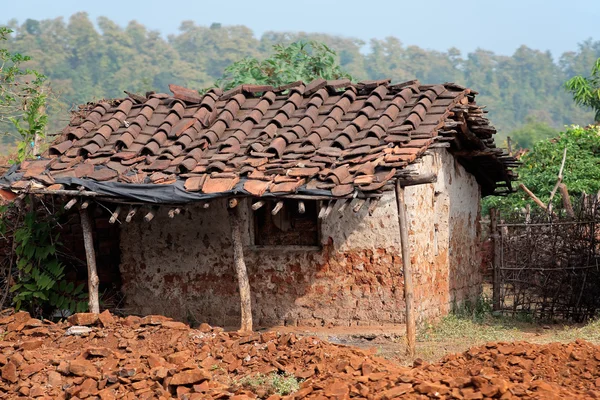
(88, 60)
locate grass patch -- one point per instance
(589, 332)
(476, 322)
(273, 383)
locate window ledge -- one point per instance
(284, 248)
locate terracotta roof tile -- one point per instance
(341, 137)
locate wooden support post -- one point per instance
(150, 215)
(372, 205)
(533, 196)
(131, 213)
(322, 210)
(115, 215)
(495, 235)
(359, 205)
(406, 269)
(240, 269)
(174, 211)
(344, 205)
(328, 209)
(277, 207)
(71, 203)
(564, 192)
(301, 207)
(258, 205)
(90, 254)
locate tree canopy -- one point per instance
(541, 165)
(89, 60)
(298, 61)
(586, 90)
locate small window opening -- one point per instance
(288, 227)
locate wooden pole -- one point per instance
(495, 235)
(406, 268)
(564, 192)
(90, 254)
(240, 268)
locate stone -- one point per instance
(189, 377)
(54, 379)
(337, 389)
(32, 344)
(36, 391)
(63, 368)
(89, 387)
(9, 372)
(179, 357)
(31, 369)
(153, 320)
(106, 318)
(174, 325)
(83, 368)
(78, 331)
(83, 319)
(97, 352)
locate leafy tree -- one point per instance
(299, 61)
(541, 165)
(586, 90)
(23, 95)
(528, 134)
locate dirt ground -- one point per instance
(106, 357)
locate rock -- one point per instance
(131, 320)
(153, 320)
(107, 394)
(189, 377)
(63, 368)
(9, 372)
(179, 357)
(106, 318)
(36, 391)
(31, 369)
(89, 387)
(396, 391)
(83, 368)
(54, 379)
(97, 352)
(174, 325)
(337, 389)
(78, 331)
(32, 344)
(84, 319)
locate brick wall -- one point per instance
(183, 267)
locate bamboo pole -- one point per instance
(90, 254)
(406, 268)
(240, 269)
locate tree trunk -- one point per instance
(90, 254)
(240, 268)
(406, 267)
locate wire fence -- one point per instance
(548, 267)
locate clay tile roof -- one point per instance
(333, 137)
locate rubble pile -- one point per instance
(105, 357)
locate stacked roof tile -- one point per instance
(335, 137)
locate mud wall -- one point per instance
(182, 267)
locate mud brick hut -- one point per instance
(298, 185)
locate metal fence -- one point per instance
(548, 267)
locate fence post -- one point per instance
(495, 235)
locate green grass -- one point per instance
(273, 383)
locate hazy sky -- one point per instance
(499, 25)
